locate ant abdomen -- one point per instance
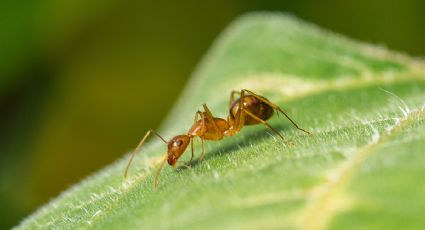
(257, 107)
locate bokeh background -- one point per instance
(81, 81)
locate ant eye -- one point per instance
(178, 143)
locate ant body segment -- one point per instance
(248, 109)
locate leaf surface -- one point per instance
(364, 167)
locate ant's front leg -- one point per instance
(203, 149)
(204, 128)
(192, 148)
(197, 114)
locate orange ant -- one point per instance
(248, 109)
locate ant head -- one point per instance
(176, 148)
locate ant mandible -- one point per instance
(248, 109)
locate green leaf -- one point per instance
(363, 168)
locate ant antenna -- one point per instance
(138, 148)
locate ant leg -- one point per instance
(139, 146)
(211, 118)
(232, 97)
(240, 114)
(191, 139)
(191, 145)
(266, 124)
(204, 128)
(276, 107)
(155, 182)
(197, 116)
(203, 150)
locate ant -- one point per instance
(248, 109)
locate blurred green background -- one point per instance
(82, 81)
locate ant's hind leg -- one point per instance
(276, 107)
(267, 125)
(293, 122)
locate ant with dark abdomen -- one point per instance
(248, 109)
